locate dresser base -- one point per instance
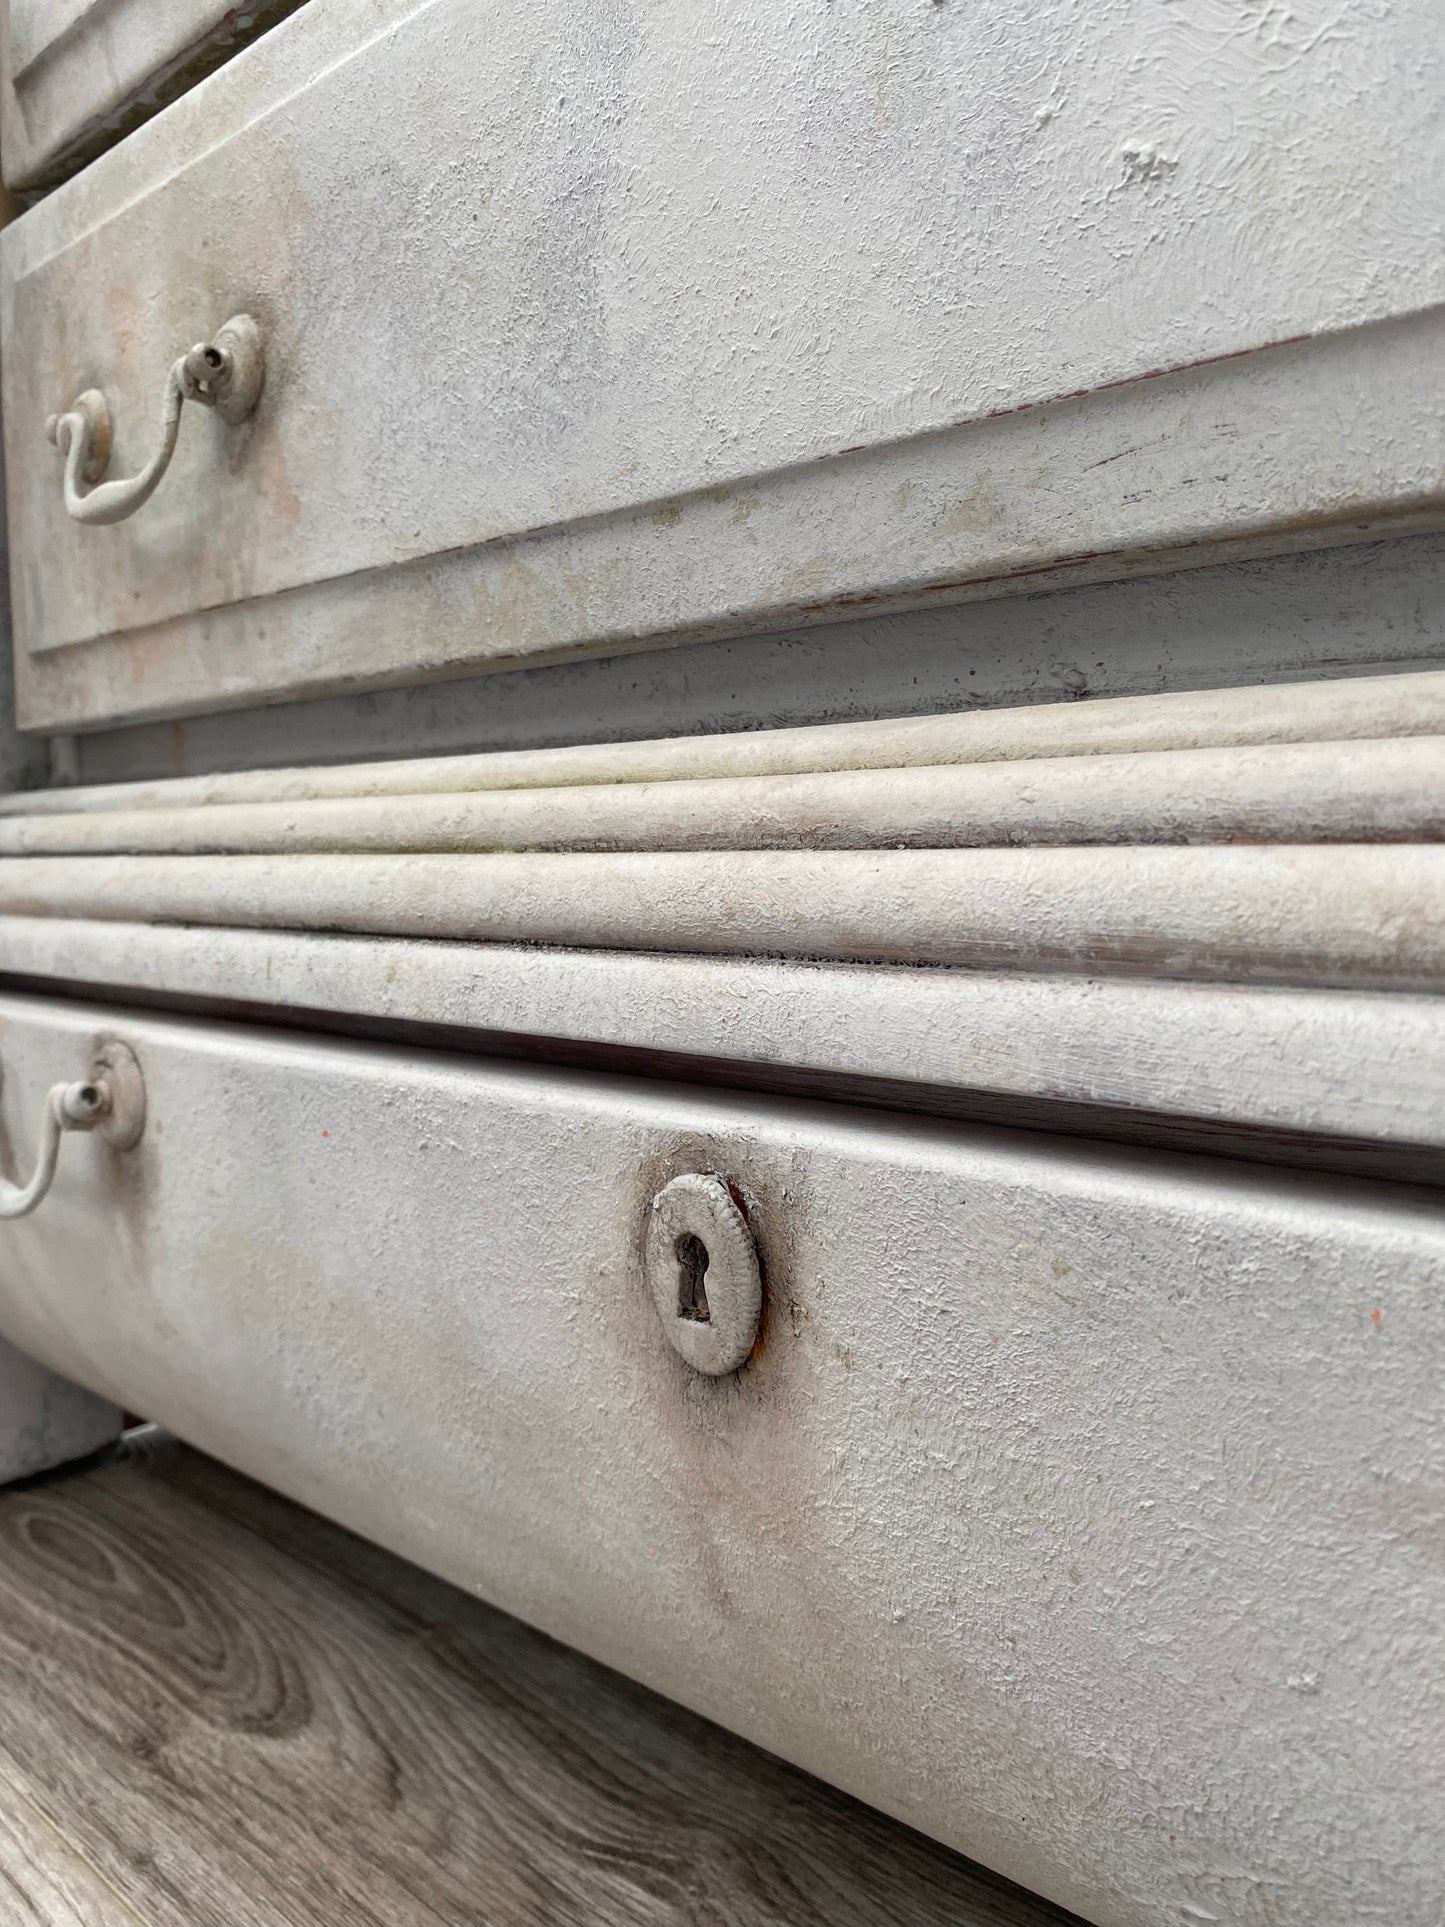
(46, 1421)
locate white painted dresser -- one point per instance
(733, 916)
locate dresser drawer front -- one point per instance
(75, 73)
(1066, 1496)
(591, 328)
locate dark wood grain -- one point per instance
(217, 1710)
(44, 1882)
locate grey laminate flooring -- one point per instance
(217, 1710)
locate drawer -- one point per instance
(584, 330)
(75, 73)
(1079, 1507)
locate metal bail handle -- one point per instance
(111, 1101)
(226, 373)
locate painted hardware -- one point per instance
(226, 374)
(702, 1268)
(110, 1101)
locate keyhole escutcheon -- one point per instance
(702, 1269)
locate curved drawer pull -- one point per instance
(111, 1101)
(226, 373)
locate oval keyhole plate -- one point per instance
(702, 1269)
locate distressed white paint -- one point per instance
(1077, 1507)
(1344, 1064)
(1389, 790)
(71, 70)
(1313, 712)
(1369, 609)
(22, 760)
(595, 301)
(1350, 916)
(45, 1419)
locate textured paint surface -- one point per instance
(1346, 916)
(1347, 1064)
(623, 385)
(1313, 713)
(1362, 611)
(22, 760)
(1386, 791)
(1079, 1507)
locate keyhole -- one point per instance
(692, 1262)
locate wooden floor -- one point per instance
(218, 1711)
